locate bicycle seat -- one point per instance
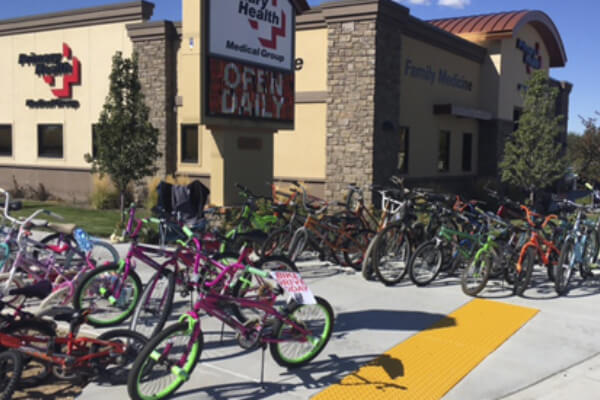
(67, 314)
(67, 229)
(41, 290)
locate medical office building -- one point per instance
(378, 92)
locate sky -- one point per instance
(576, 20)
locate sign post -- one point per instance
(248, 90)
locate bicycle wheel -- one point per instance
(16, 283)
(165, 363)
(41, 333)
(245, 289)
(475, 276)
(277, 242)
(11, 367)
(102, 253)
(425, 264)
(354, 249)
(156, 302)
(97, 291)
(115, 367)
(58, 298)
(590, 255)
(391, 255)
(367, 270)
(522, 278)
(293, 349)
(563, 270)
(59, 241)
(297, 245)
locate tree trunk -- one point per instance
(122, 198)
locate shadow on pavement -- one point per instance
(391, 320)
(316, 375)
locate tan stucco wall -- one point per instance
(298, 153)
(94, 46)
(301, 153)
(311, 46)
(416, 109)
(514, 70)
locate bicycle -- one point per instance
(579, 249)
(11, 368)
(172, 355)
(538, 246)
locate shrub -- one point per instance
(17, 191)
(105, 195)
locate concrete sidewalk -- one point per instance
(372, 318)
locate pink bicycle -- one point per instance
(295, 331)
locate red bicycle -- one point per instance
(538, 247)
(72, 357)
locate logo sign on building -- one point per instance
(531, 55)
(238, 90)
(60, 71)
(254, 31)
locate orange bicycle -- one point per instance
(538, 247)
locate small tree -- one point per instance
(532, 157)
(584, 151)
(126, 140)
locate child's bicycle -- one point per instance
(71, 357)
(295, 333)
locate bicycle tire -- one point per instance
(276, 347)
(434, 256)
(297, 245)
(563, 270)
(116, 373)
(392, 254)
(523, 277)
(58, 298)
(111, 258)
(95, 295)
(354, 252)
(16, 283)
(38, 371)
(277, 242)
(272, 263)
(592, 246)
(479, 268)
(145, 363)
(367, 271)
(11, 368)
(155, 304)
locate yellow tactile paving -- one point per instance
(429, 364)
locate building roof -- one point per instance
(507, 24)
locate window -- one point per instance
(5, 140)
(403, 154)
(189, 143)
(94, 141)
(467, 151)
(444, 152)
(50, 141)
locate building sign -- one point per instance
(249, 92)
(52, 68)
(440, 76)
(531, 55)
(255, 31)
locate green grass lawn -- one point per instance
(99, 223)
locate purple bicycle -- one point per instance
(295, 331)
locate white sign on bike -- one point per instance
(293, 283)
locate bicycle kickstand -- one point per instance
(222, 331)
(262, 366)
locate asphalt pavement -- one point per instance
(555, 355)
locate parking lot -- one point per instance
(372, 318)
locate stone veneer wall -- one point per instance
(350, 106)
(387, 98)
(156, 45)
